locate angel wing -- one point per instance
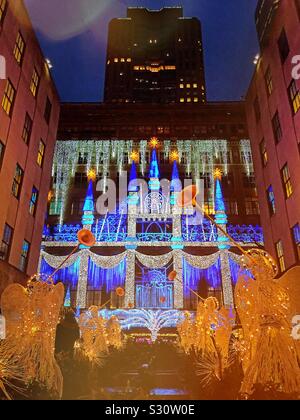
(14, 302)
(291, 282)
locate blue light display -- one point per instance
(68, 276)
(107, 279)
(175, 182)
(154, 169)
(132, 178)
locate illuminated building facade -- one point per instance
(155, 56)
(273, 104)
(29, 113)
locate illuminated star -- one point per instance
(91, 175)
(218, 173)
(134, 156)
(154, 143)
(174, 155)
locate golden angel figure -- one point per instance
(32, 315)
(264, 307)
(114, 333)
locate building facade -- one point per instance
(155, 56)
(29, 113)
(273, 104)
(144, 239)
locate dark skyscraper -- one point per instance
(155, 56)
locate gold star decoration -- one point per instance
(135, 156)
(174, 155)
(218, 173)
(91, 175)
(154, 143)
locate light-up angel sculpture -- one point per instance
(32, 315)
(263, 306)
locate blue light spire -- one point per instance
(154, 174)
(175, 182)
(133, 177)
(220, 211)
(154, 169)
(88, 207)
(176, 185)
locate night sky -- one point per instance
(73, 34)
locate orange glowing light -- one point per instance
(135, 156)
(174, 156)
(120, 291)
(154, 143)
(218, 173)
(91, 175)
(172, 276)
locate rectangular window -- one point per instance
(296, 239)
(252, 206)
(231, 207)
(294, 96)
(277, 127)
(263, 152)
(246, 157)
(269, 81)
(26, 134)
(24, 256)
(19, 49)
(80, 179)
(286, 180)
(8, 98)
(228, 180)
(256, 109)
(280, 255)
(283, 45)
(35, 82)
(48, 109)
(41, 153)
(2, 150)
(55, 208)
(249, 180)
(17, 182)
(6, 242)
(271, 200)
(207, 178)
(3, 4)
(77, 208)
(33, 201)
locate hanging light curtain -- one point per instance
(106, 278)
(192, 276)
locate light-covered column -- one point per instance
(178, 284)
(82, 279)
(226, 279)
